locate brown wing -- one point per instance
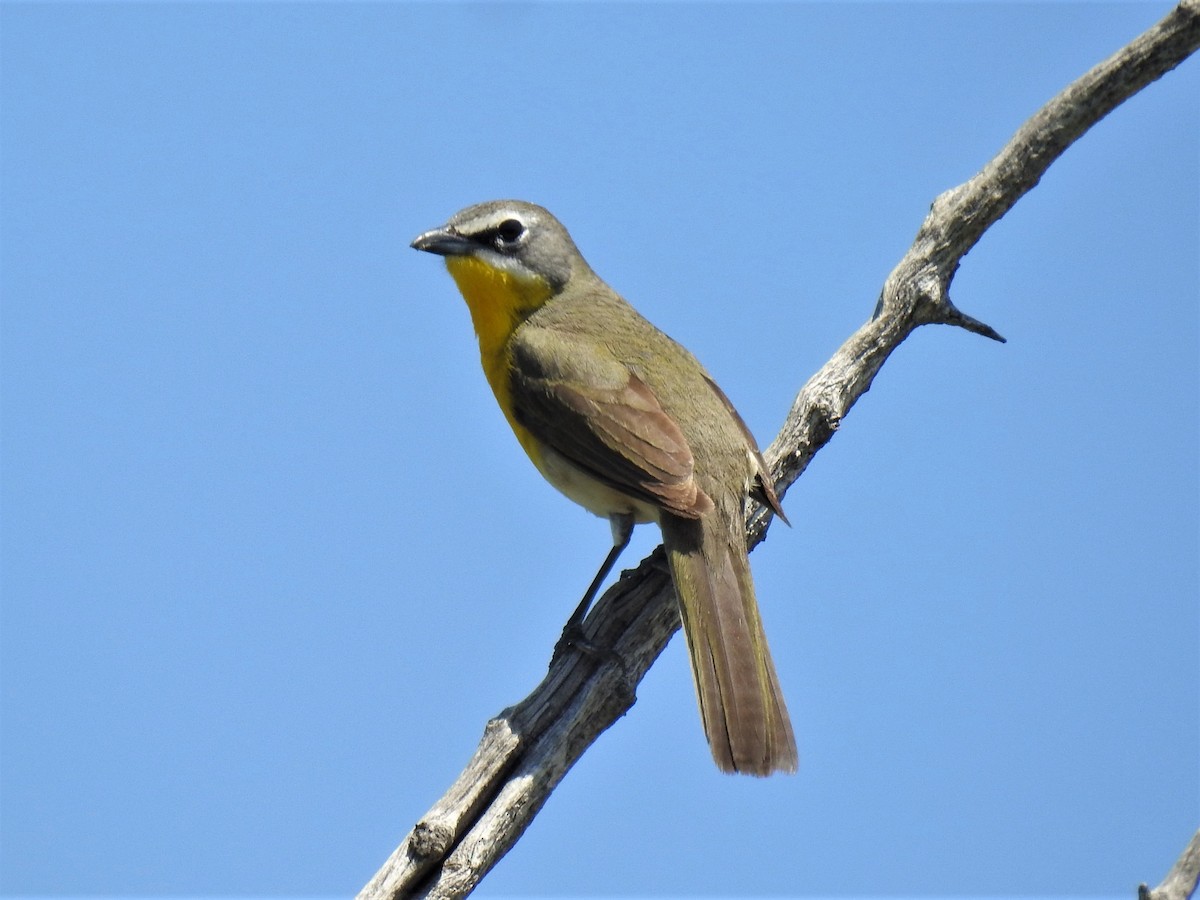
(574, 397)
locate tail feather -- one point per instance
(741, 703)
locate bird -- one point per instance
(624, 421)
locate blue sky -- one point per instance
(271, 558)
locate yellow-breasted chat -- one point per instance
(625, 422)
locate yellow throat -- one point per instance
(499, 301)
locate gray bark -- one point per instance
(1180, 882)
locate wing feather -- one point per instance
(585, 405)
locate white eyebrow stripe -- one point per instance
(490, 222)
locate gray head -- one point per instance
(511, 235)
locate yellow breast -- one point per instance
(498, 301)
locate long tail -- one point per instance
(741, 703)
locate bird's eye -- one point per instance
(510, 231)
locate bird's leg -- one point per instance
(572, 635)
(622, 531)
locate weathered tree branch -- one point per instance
(1181, 881)
(528, 748)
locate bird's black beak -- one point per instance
(442, 241)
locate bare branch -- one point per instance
(528, 748)
(1180, 882)
(917, 292)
